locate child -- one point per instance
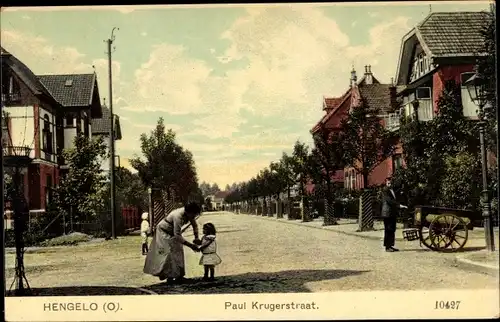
(208, 248)
(144, 232)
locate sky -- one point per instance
(239, 84)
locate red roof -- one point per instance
(332, 102)
(222, 194)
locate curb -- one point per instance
(286, 221)
(479, 267)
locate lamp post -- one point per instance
(476, 86)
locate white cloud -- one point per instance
(295, 56)
(144, 34)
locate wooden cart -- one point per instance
(441, 228)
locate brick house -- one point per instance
(44, 113)
(377, 95)
(442, 47)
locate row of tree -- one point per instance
(442, 157)
(361, 142)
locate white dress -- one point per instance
(144, 231)
(209, 254)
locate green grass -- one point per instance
(66, 240)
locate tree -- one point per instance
(80, 191)
(300, 166)
(286, 164)
(327, 157)
(365, 141)
(205, 188)
(167, 166)
(130, 191)
(437, 153)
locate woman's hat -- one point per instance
(145, 216)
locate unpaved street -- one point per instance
(259, 255)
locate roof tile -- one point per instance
(77, 94)
(454, 33)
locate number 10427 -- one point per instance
(447, 305)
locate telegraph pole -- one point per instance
(111, 136)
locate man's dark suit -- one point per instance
(390, 211)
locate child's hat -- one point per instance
(145, 216)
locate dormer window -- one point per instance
(11, 91)
(68, 83)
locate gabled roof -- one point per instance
(450, 34)
(331, 102)
(73, 90)
(443, 35)
(101, 126)
(376, 94)
(24, 73)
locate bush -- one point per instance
(66, 240)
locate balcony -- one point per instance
(11, 97)
(15, 156)
(391, 121)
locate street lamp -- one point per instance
(477, 86)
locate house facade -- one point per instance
(101, 127)
(44, 113)
(443, 47)
(377, 95)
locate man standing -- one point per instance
(390, 210)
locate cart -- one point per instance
(441, 228)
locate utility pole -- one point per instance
(111, 136)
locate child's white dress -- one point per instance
(144, 231)
(209, 254)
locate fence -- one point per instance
(131, 218)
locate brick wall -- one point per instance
(445, 73)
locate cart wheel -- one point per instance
(448, 231)
(426, 237)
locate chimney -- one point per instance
(393, 95)
(354, 78)
(368, 75)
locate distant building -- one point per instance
(377, 95)
(218, 202)
(101, 127)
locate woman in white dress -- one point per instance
(165, 258)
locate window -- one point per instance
(47, 134)
(464, 77)
(86, 126)
(70, 120)
(469, 107)
(14, 90)
(423, 93)
(5, 129)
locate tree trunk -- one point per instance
(329, 217)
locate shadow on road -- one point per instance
(292, 281)
(83, 291)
